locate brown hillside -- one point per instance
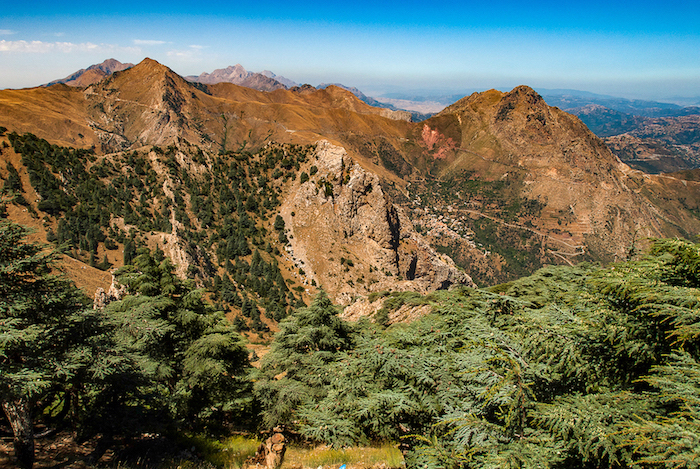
(500, 181)
(58, 113)
(525, 175)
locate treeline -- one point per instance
(572, 367)
(220, 204)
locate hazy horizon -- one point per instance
(640, 50)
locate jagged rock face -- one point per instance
(346, 235)
(115, 293)
(396, 115)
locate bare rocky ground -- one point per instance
(58, 451)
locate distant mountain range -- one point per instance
(652, 136)
(573, 99)
(92, 74)
(238, 75)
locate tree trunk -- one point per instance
(19, 414)
(270, 454)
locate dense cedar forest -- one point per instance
(572, 367)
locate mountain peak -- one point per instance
(530, 132)
(525, 95)
(110, 66)
(92, 74)
(146, 71)
(521, 98)
(238, 75)
(150, 63)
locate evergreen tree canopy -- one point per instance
(308, 342)
(47, 337)
(572, 367)
(198, 361)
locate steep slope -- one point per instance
(147, 104)
(150, 104)
(193, 170)
(350, 238)
(58, 113)
(532, 185)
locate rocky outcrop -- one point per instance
(364, 308)
(397, 115)
(347, 236)
(270, 454)
(115, 293)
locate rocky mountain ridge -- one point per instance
(92, 74)
(344, 227)
(238, 75)
(506, 174)
(499, 182)
(150, 108)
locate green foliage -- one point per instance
(573, 367)
(670, 436)
(279, 223)
(198, 361)
(157, 358)
(223, 208)
(39, 316)
(307, 343)
(54, 350)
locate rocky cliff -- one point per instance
(347, 236)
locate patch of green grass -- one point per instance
(236, 450)
(229, 453)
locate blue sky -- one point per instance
(639, 49)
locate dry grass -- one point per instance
(231, 453)
(385, 456)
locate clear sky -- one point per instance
(641, 49)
